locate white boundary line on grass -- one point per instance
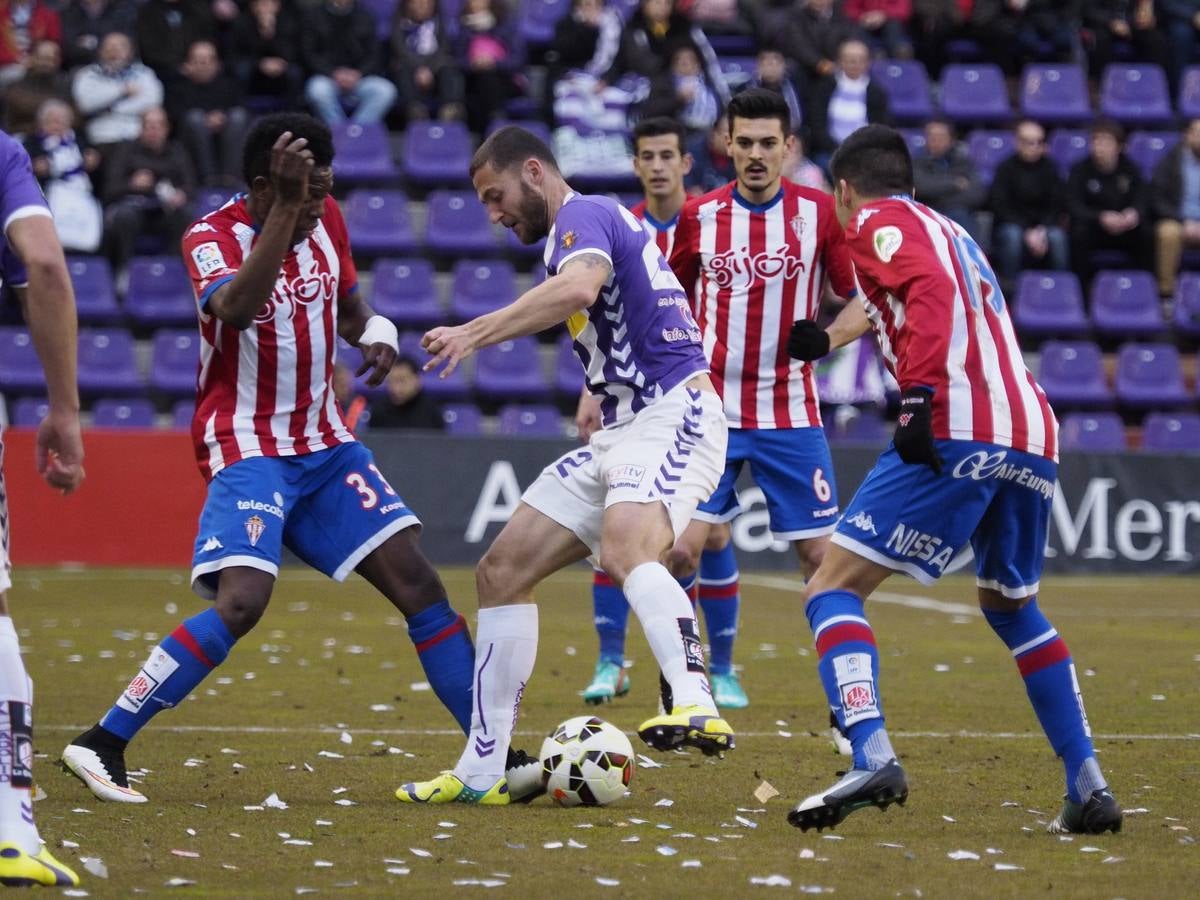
(912, 601)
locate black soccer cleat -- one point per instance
(857, 789)
(525, 775)
(1100, 813)
(97, 757)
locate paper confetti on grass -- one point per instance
(607, 882)
(552, 845)
(186, 854)
(417, 851)
(771, 880)
(664, 850)
(398, 870)
(962, 854)
(1008, 867)
(273, 802)
(765, 792)
(95, 865)
(665, 802)
(179, 882)
(322, 864)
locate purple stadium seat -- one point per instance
(175, 361)
(907, 86)
(533, 420)
(404, 291)
(362, 153)
(1135, 94)
(1125, 304)
(1149, 377)
(211, 198)
(463, 419)
(378, 222)
(1072, 375)
(458, 224)
(511, 370)
(1187, 304)
(538, 19)
(108, 362)
(160, 292)
(988, 149)
(95, 293)
(455, 386)
(568, 373)
(1171, 432)
(481, 286)
(182, 413)
(1049, 303)
(1100, 431)
(135, 412)
(915, 138)
(20, 369)
(975, 93)
(383, 11)
(535, 126)
(1055, 93)
(1188, 105)
(437, 153)
(28, 412)
(1067, 147)
(1146, 148)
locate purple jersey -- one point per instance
(20, 196)
(638, 340)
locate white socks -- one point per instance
(16, 730)
(669, 621)
(505, 649)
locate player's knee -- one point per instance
(682, 561)
(240, 608)
(719, 537)
(810, 554)
(495, 578)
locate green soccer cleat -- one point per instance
(728, 692)
(21, 869)
(448, 788)
(608, 682)
(692, 726)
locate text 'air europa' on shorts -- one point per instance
(330, 508)
(995, 498)
(672, 452)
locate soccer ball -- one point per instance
(587, 762)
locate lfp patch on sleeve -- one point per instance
(887, 241)
(208, 258)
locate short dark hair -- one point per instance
(874, 161)
(511, 146)
(1109, 127)
(657, 126)
(760, 103)
(256, 153)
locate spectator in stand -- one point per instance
(265, 53)
(22, 24)
(85, 22)
(1180, 20)
(945, 177)
(44, 80)
(1131, 23)
(423, 64)
(799, 169)
(1028, 202)
(1012, 32)
(724, 17)
(353, 404)
(933, 25)
(844, 102)
(1175, 204)
(771, 73)
(771, 21)
(114, 92)
(206, 107)
(712, 166)
(1108, 203)
(64, 164)
(884, 23)
(487, 37)
(166, 28)
(405, 403)
(585, 40)
(149, 183)
(694, 100)
(342, 50)
(815, 37)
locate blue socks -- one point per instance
(720, 601)
(1045, 665)
(849, 669)
(444, 647)
(173, 670)
(611, 615)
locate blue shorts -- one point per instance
(330, 508)
(994, 498)
(793, 468)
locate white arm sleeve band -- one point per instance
(380, 331)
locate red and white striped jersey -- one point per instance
(751, 271)
(664, 232)
(942, 323)
(267, 391)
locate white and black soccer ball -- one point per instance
(587, 762)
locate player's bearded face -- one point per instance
(531, 223)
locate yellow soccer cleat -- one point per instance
(21, 869)
(448, 788)
(693, 726)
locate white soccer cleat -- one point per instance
(103, 770)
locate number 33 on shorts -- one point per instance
(369, 497)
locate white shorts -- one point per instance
(672, 452)
(5, 564)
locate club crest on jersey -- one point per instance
(797, 226)
(568, 240)
(255, 527)
(887, 241)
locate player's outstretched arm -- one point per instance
(850, 324)
(807, 340)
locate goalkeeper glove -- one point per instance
(807, 340)
(914, 430)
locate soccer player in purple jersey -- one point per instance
(625, 497)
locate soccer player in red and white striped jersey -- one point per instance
(973, 461)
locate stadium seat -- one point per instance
(1055, 94)
(160, 292)
(211, 198)
(533, 420)
(463, 419)
(538, 19)
(1149, 377)
(1067, 147)
(568, 373)
(1124, 303)
(975, 93)
(1049, 304)
(135, 412)
(480, 287)
(1188, 104)
(362, 153)
(458, 224)
(988, 149)
(95, 293)
(28, 412)
(1146, 148)
(511, 370)
(1135, 94)
(1187, 304)
(1072, 375)
(915, 138)
(907, 85)
(455, 386)
(437, 153)
(182, 413)
(378, 222)
(175, 362)
(1171, 432)
(404, 291)
(535, 126)
(20, 369)
(107, 362)
(1091, 432)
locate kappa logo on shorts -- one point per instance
(626, 476)
(212, 544)
(863, 522)
(255, 527)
